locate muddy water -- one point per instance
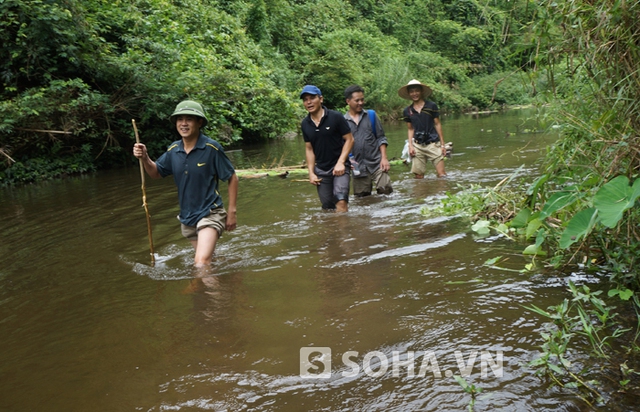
(387, 303)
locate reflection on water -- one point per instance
(87, 324)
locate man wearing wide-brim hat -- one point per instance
(424, 131)
(197, 163)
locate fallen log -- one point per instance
(43, 131)
(284, 171)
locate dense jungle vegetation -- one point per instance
(75, 72)
(581, 214)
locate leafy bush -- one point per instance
(44, 168)
(497, 89)
(61, 120)
(104, 63)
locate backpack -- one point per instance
(372, 119)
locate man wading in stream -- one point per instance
(370, 146)
(328, 142)
(197, 163)
(424, 131)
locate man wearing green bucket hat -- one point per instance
(197, 164)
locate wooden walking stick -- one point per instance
(144, 196)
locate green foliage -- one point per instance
(244, 60)
(610, 202)
(601, 106)
(332, 66)
(209, 59)
(586, 319)
(578, 227)
(382, 93)
(444, 76)
(471, 389)
(44, 39)
(613, 198)
(463, 44)
(579, 57)
(256, 21)
(557, 202)
(585, 202)
(40, 168)
(497, 89)
(559, 223)
(55, 130)
(583, 206)
(468, 202)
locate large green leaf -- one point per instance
(534, 250)
(533, 227)
(536, 185)
(579, 226)
(557, 202)
(481, 227)
(521, 219)
(614, 198)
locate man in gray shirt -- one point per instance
(370, 147)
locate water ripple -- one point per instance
(397, 252)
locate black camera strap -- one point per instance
(424, 137)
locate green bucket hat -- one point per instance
(189, 107)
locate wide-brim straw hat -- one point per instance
(404, 90)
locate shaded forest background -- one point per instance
(75, 72)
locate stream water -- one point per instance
(373, 310)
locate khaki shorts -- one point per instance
(217, 219)
(362, 185)
(429, 152)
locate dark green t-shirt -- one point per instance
(196, 175)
